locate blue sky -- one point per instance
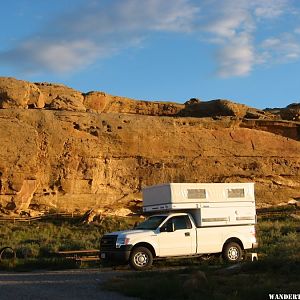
(169, 50)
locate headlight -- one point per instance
(121, 241)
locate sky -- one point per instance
(247, 51)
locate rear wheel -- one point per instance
(141, 258)
(232, 252)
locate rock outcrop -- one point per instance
(20, 94)
(65, 150)
(291, 112)
(61, 97)
(101, 102)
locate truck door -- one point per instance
(177, 237)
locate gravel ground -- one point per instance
(69, 284)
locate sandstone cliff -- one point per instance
(65, 150)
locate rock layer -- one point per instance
(81, 151)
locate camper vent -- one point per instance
(236, 193)
(196, 193)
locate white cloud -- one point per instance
(60, 57)
(159, 15)
(269, 8)
(271, 42)
(226, 27)
(236, 58)
(64, 57)
(282, 49)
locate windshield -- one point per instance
(152, 223)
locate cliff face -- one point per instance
(66, 150)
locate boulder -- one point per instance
(96, 101)
(67, 102)
(192, 101)
(16, 93)
(213, 108)
(61, 97)
(292, 202)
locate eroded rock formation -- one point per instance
(65, 150)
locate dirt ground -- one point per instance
(67, 284)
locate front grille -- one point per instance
(108, 242)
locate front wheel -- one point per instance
(141, 258)
(232, 252)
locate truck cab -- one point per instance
(163, 235)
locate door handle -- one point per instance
(187, 234)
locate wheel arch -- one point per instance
(233, 240)
(146, 245)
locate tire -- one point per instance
(141, 259)
(232, 252)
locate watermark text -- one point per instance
(284, 296)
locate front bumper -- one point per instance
(254, 245)
(119, 255)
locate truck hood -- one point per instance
(131, 233)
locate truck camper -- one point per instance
(187, 219)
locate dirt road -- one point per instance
(46, 285)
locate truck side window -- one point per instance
(181, 222)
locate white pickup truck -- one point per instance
(195, 219)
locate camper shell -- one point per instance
(210, 204)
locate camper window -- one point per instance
(235, 193)
(196, 193)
